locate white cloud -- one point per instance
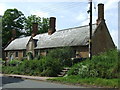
(81, 17)
(86, 22)
(43, 0)
(2, 8)
(109, 4)
(40, 13)
(62, 16)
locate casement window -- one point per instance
(16, 54)
(6, 54)
(24, 53)
(36, 53)
(47, 51)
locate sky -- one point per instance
(68, 13)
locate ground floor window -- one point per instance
(36, 53)
(6, 54)
(16, 54)
(24, 53)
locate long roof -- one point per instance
(66, 37)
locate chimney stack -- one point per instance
(13, 34)
(100, 12)
(52, 25)
(34, 29)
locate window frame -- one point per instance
(24, 53)
(16, 54)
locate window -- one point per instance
(36, 53)
(16, 54)
(74, 53)
(6, 54)
(24, 53)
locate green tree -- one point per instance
(12, 19)
(43, 24)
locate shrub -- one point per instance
(2, 61)
(30, 67)
(9, 69)
(49, 72)
(103, 66)
(63, 54)
(14, 63)
(51, 66)
(47, 66)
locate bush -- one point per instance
(30, 67)
(14, 63)
(103, 66)
(51, 66)
(63, 54)
(2, 61)
(47, 66)
(9, 69)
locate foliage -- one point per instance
(8, 69)
(43, 24)
(14, 63)
(31, 67)
(103, 66)
(12, 19)
(46, 66)
(15, 19)
(51, 66)
(63, 54)
(90, 82)
(1, 61)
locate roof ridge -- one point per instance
(22, 37)
(74, 27)
(61, 30)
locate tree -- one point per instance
(12, 19)
(43, 24)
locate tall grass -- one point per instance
(103, 66)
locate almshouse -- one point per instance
(77, 38)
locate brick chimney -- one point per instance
(52, 25)
(34, 29)
(13, 34)
(100, 13)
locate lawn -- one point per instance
(90, 82)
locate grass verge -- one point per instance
(97, 82)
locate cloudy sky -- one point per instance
(68, 14)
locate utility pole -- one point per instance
(90, 24)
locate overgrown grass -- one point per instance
(105, 65)
(102, 70)
(90, 82)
